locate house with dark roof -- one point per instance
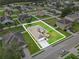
(73, 17)
(16, 39)
(6, 20)
(40, 11)
(8, 11)
(64, 24)
(21, 8)
(10, 37)
(23, 17)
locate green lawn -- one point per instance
(16, 12)
(54, 36)
(1, 8)
(14, 16)
(42, 17)
(63, 32)
(23, 3)
(1, 13)
(75, 27)
(51, 21)
(71, 56)
(16, 29)
(33, 48)
(0, 43)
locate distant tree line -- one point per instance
(3, 2)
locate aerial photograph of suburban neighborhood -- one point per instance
(39, 29)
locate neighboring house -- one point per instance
(73, 17)
(10, 37)
(55, 12)
(11, 5)
(40, 11)
(16, 38)
(21, 8)
(8, 11)
(68, 4)
(6, 20)
(24, 16)
(64, 24)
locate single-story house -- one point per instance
(21, 8)
(8, 10)
(64, 24)
(13, 37)
(6, 20)
(17, 39)
(40, 11)
(24, 16)
(73, 17)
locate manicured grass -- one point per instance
(14, 16)
(16, 29)
(51, 21)
(16, 12)
(0, 43)
(54, 36)
(33, 48)
(19, 29)
(1, 8)
(23, 3)
(63, 32)
(71, 56)
(42, 17)
(75, 27)
(1, 13)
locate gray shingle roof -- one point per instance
(24, 16)
(65, 21)
(17, 36)
(6, 19)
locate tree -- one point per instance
(29, 20)
(10, 52)
(66, 11)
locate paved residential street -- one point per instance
(53, 52)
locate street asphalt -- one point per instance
(52, 52)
